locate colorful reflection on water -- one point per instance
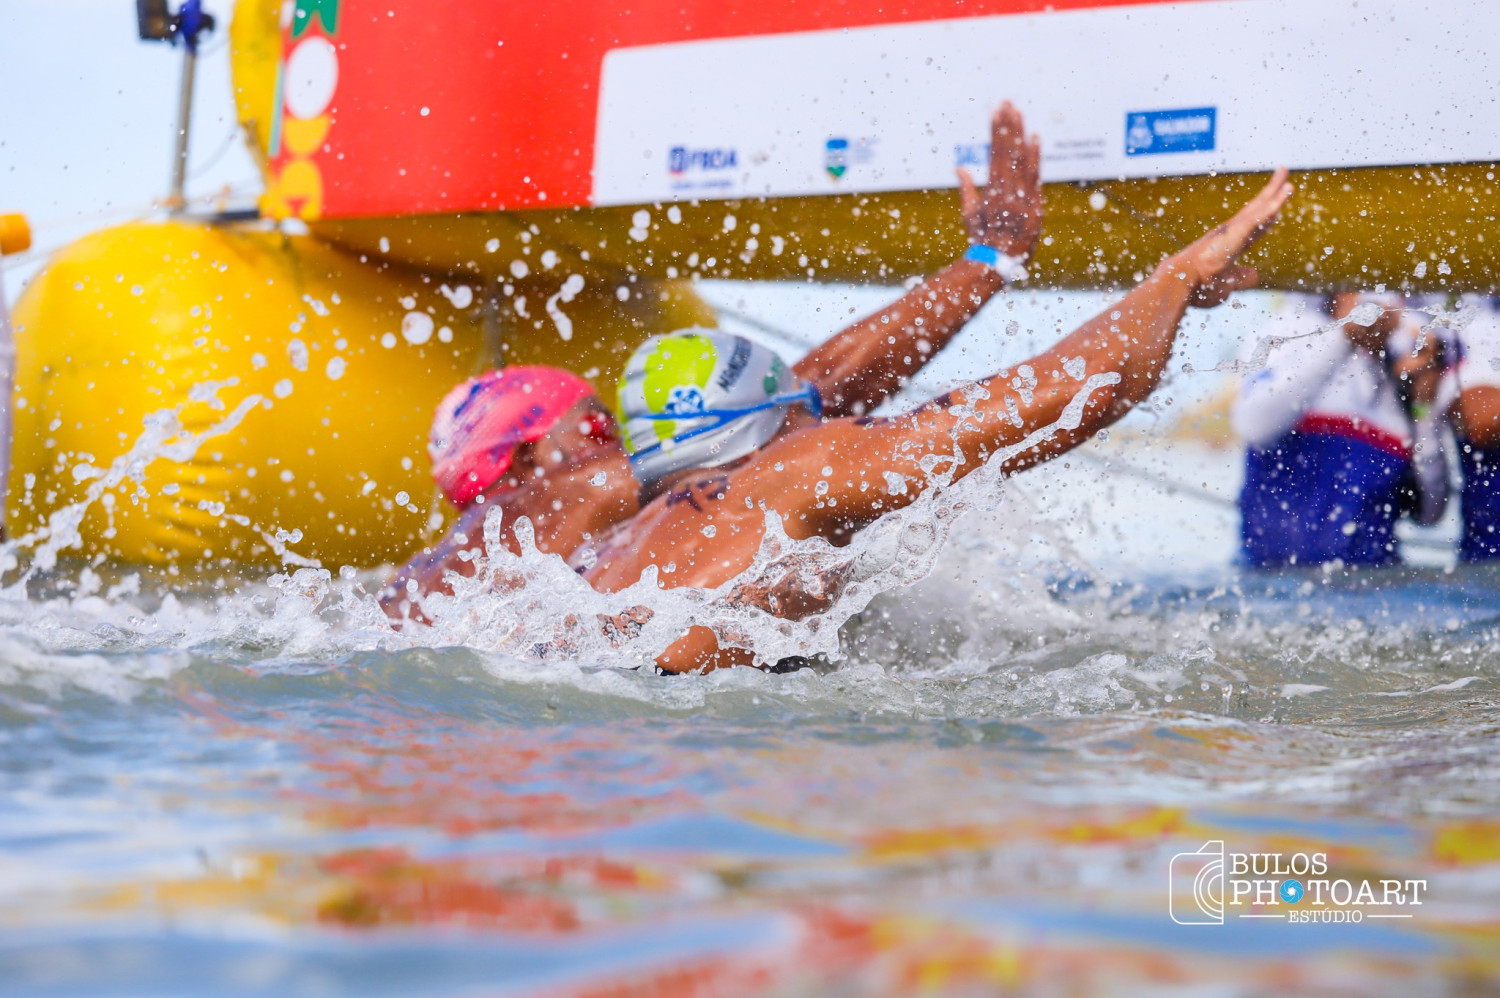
(363, 826)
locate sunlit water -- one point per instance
(266, 791)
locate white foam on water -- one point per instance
(998, 639)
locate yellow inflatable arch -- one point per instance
(345, 361)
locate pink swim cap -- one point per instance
(479, 424)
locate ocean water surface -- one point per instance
(257, 788)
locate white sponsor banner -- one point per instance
(1134, 91)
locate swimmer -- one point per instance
(537, 442)
(1340, 443)
(829, 479)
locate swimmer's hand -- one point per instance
(1210, 263)
(1007, 213)
(792, 588)
(624, 626)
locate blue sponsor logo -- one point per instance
(971, 154)
(1188, 129)
(836, 157)
(841, 153)
(682, 159)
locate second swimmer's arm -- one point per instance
(863, 365)
(957, 432)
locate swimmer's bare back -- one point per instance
(829, 479)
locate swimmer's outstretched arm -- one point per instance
(1132, 338)
(859, 368)
(847, 459)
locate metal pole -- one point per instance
(177, 200)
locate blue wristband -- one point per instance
(1008, 267)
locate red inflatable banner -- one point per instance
(410, 107)
(402, 107)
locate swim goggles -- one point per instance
(807, 395)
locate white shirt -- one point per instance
(1314, 379)
(1478, 323)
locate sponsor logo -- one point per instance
(976, 155)
(772, 380)
(1190, 129)
(836, 157)
(684, 400)
(972, 154)
(736, 366)
(683, 159)
(1209, 885)
(840, 153)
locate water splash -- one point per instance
(511, 603)
(163, 438)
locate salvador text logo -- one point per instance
(1209, 885)
(1189, 129)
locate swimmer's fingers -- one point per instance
(1005, 212)
(1007, 142)
(1015, 157)
(1224, 244)
(1033, 167)
(968, 202)
(1256, 218)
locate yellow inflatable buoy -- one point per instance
(310, 375)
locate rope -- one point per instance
(218, 154)
(135, 213)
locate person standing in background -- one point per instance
(1337, 448)
(1470, 399)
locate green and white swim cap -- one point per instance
(700, 398)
